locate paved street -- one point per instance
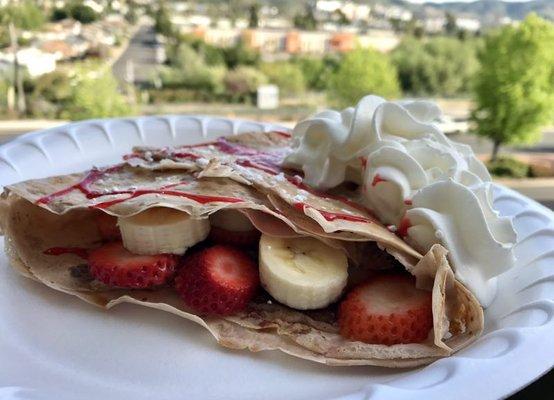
(138, 62)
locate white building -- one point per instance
(37, 62)
(469, 24)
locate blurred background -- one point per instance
(488, 63)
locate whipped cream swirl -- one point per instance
(427, 187)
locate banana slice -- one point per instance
(231, 220)
(162, 230)
(302, 273)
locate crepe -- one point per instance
(243, 173)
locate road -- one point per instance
(138, 63)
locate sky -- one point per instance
(451, 1)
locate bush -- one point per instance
(188, 69)
(362, 72)
(59, 14)
(288, 77)
(242, 82)
(83, 13)
(49, 94)
(240, 55)
(509, 167)
(96, 97)
(436, 66)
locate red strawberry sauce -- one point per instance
(56, 251)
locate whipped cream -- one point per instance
(429, 188)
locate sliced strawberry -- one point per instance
(219, 280)
(107, 226)
(387, 309)
(115, 266)
(234, 238)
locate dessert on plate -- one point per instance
(364, 237)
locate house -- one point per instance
(342, 42)
(34, 60)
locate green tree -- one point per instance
(253, 19)
(240, 55)
(162, 21)
(514, 89)
(24, 15)
(362, 72)
(83, 13)
(59, 14)
(436, 66)
(305, 20)
(96, 97)
(450, 26)
(287, 76)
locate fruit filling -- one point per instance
(219, 264)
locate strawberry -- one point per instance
(234, 238)
(107, 226)
(219, 280)
(115, 266)
(387, 309)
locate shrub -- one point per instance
(508, 167)
(242, 82)
(96, 97)
(288, 77)
(83, 13)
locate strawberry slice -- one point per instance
(107, 226)
(387, 309)
(234, 238)
(116, 266)
(219, 280)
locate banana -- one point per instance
(162, 230)
(231, 220)
(302, 273)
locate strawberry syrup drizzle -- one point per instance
(377, 179)
(297, 181)
(56, 251)
(83, 186)
(405, 224)
(202, 199)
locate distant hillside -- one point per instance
(489, 9)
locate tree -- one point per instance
(240, 55)
(287, 76)
(96, 97)
(306, 20)
(59, 14)
(253, 19)
(162, 21)
(24, 15)
(83, 13)
(514, 89)
(362, 72)
(436, 66)
(450, 26)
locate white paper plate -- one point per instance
(54, 346)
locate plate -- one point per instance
(56, 346)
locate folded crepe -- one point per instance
(244, 173)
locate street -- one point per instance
(138, 63)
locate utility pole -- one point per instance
(17, 77)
